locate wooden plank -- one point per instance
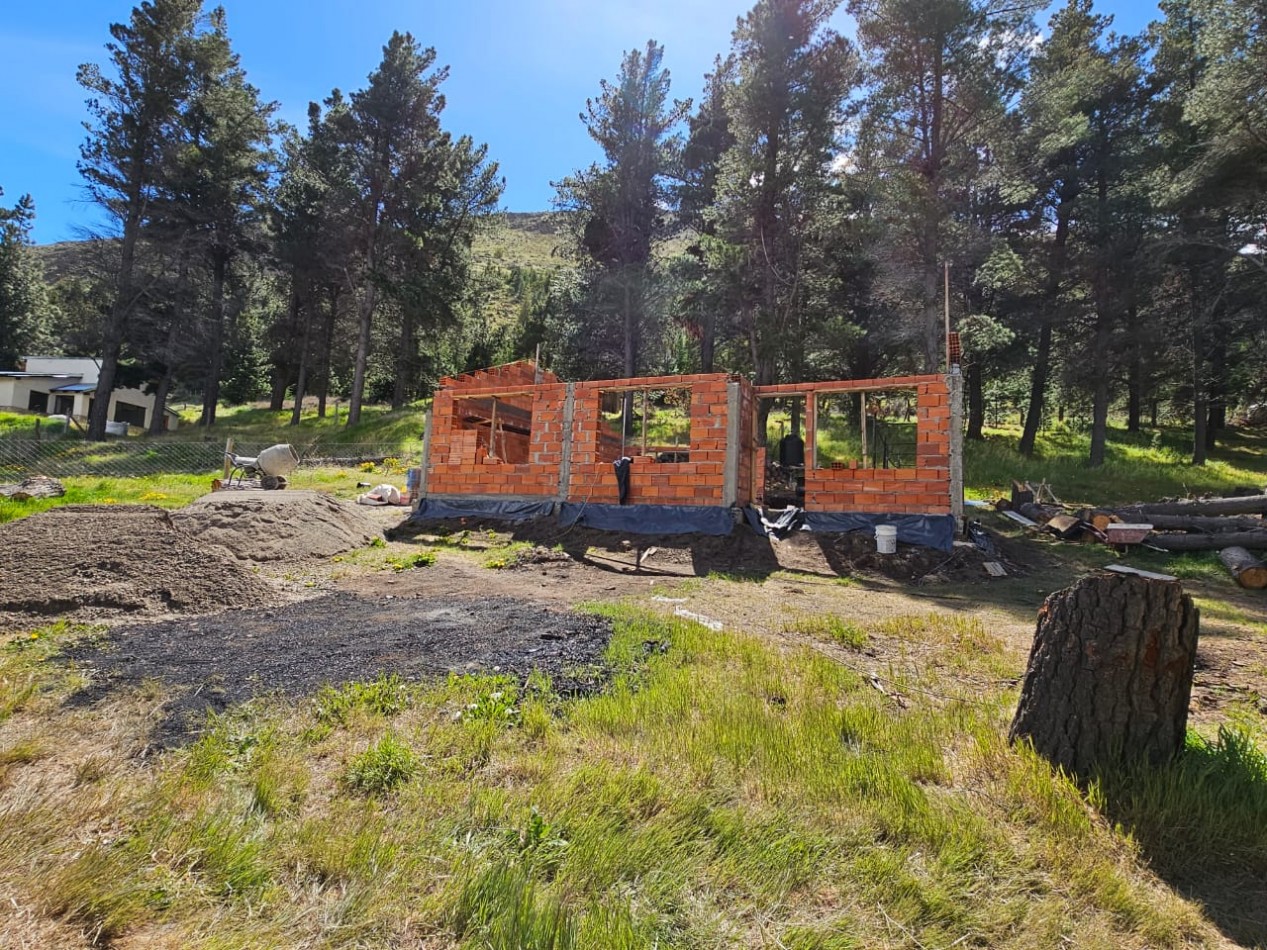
(1127, 569)
(1019, 519)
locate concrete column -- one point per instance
(730, 474)
(426, 456)
(565, 459)
(955, 382)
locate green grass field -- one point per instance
(1142, 466)
(720, 792)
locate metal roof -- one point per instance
(75, 388)
(19, 374)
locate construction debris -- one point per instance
(1202, 524)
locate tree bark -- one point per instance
(1210, 542)
(976, 401)
(1249, 572)
(1110, 674)
(362, 356)
(1247, 505)
(301, 382)
(1205, 524)
(211, 389)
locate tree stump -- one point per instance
(1110, 673)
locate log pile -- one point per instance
(1202, 524)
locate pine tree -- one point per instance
(941, 76)
(134, 112)
(24, 304)
(618, 209)
(785, 111)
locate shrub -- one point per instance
(382, 767)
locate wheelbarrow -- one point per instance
(271, 466)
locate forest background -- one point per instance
(1097, 197)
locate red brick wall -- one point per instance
(924, 489)
(459, 463)
(697, 482)
(459, 457)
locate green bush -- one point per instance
(385, 765)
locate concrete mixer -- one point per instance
(271, 466)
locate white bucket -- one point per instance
(886, 539)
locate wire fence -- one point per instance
(63, 458)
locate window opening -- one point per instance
(865, 429)
(504, 424)
(653, 423)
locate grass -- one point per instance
(723, 792)
(1142, 466)
(830, 627)
(167, 491)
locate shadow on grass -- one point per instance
(1201, 823)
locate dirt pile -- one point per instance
(103, 560)
(276, 525)
(216, 661)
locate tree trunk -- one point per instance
(1037, 389)
(976, 401)
(1249, 572)
(301, 382)
(1216, 402)
(1134, 393)
(1110, 674)
(1199, 404)
(404, 360)
(1210, 542)
(362, 356)
(159, 414)
(326, 352)
(277, 394)
(1204, 524)
(1241, 505)
(1099, 414)
(211, 389)
(1042, 353)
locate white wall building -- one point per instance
(67, 386)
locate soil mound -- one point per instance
(217, 661)
(104, 560)
(276, 525)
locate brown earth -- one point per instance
(97, 561)
(276, 525)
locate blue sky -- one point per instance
(520, 73)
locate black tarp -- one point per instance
(650, 519)
(434, 509)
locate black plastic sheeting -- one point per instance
(930, 531)
(434, 509)
(630, 519)
(650, 519)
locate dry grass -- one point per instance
(723, 792)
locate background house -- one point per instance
(67, 385)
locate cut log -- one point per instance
(1110, 673)
(1210, 542)
(1207, 524)
(1248, 571)
(1035, 512)
(1249, 505)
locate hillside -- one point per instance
(513, 239)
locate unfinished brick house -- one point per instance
(518, 433)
